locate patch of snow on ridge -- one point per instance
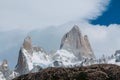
(113, 61)
(40, 59)
(65, 57)
(2, 76)
(37, 58)
(44, 61)
(28, 59)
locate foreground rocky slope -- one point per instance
(93, 72)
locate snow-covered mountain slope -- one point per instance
(30, 56)
(5, 72)
(64, 58)
(2, 76)
(115, 59)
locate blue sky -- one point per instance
(111, 15)
(99, 19)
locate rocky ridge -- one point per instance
(93, 72)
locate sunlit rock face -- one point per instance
(27, 44)
(76, 43)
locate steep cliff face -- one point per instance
(89, 48)
(74, 42)
(27, 45)
(26, 50)
(22, 65)
(29, 57)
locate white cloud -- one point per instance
(40, 13)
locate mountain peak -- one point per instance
(4, 64)
(74, 42)
(27, 47)
(27, 44)
(75, 29)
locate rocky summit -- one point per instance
(93, 72)
(27, 44)
(76, 43)
(22, 66)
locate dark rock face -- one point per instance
(74, 42)
(26, 53)
(22, 66)
(93, 72)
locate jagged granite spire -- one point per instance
(27, 44)
(28, 55)
(73, 41)
(22, 66)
